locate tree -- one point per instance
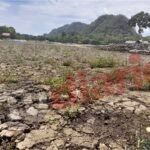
(142, 20)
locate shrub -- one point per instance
(146, 86)
(67, 63)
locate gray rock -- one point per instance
(3, 99)
(18, 92)
(7, 133)
(3, 126)
(32, 111)
(45, 87)
(11, 100)
(15, 115)
(8, 99)
(42, 106)
(42, 97)
(35, 137)
(28, 100)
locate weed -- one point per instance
(146, 86)
(145, 144)
(19, 59)
(103, 62)
(67, 63)
(54, 81)
(8, 78)
(72, 111)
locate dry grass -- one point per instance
(40, 60)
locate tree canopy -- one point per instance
(142, 20)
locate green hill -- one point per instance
(105, 29)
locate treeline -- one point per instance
(95, 39)
(15, 35)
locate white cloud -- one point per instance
(41, 16)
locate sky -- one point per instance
(41, 16)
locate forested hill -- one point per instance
(106, 28)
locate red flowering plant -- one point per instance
(79, 88)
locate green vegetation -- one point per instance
(141, 19)
(54, 81)
(146, 86)
(103, 62)
(106, 29)
(8, 78)
(73, 111)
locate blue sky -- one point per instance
(41, 16)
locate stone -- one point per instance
(28, 100)
(45, 87)
(35, 137)
(32, 111)
(11, 100)
(103, 147)
(52, 147)
(3, 99)
(7, 133)
(42, 97)
(15, 115)
(79, 139)
(42, 106)
(87, 129)
(3, 126)
(64, 96)
(148, 129)
(59, 142)
(18, 92)
(19, 127)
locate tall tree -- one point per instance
(141, 20)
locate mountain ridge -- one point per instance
(103, 24)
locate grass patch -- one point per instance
(146, 86)
(8, 78)
(54, 81)
(67, 63)
(73, 111)
(103, 62)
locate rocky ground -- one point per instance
(28, 121)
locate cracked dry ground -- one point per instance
(28, 121)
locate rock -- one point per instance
(42, 97)
(19, 127)
(45, 87)
(3, 99)
(52, 147)
(87, 129)
(35, 137)
(64, 96)
(18, 92)
(7, 133)
(102, 147)
(32, 111)
(11, 100)
(42, 106)
(148, 129)
(59, 142)
(8, 99)
(3, 126)
(80, 139)
(15, 115)
(28, 100)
